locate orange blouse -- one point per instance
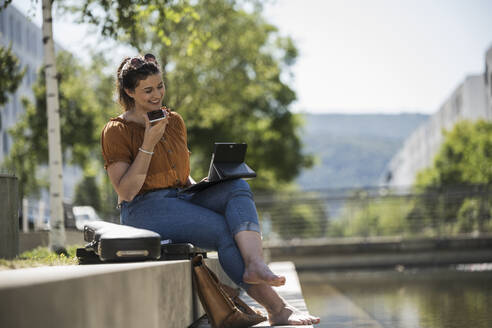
(170, 164)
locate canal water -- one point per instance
(459, 296)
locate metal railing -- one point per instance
(376, 211)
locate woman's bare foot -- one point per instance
(289, 315)
(258, 272)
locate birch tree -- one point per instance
(57, 232)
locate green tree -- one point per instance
(228, 85)
(226, 73)
(120, 19)
(455, 188)
(79, 115)
(464, 158)
(11, 73)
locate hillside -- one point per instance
(353, 150)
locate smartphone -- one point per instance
(156, 115)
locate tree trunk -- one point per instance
(57, 233)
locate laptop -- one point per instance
(227, 163)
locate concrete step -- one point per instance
(124, 295)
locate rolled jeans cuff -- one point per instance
(247, 226)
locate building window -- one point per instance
(28, 39)
(11, 28)
(18, 34)
(21, 35)
(2, 23)
(28, 75)
(15, 103)
(457, 104)
(7, 111)
(5, 24)
(33, 43)
(5, 143)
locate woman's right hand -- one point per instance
(153, 133)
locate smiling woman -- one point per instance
(139, 84)
(131, 139)
(148, 165)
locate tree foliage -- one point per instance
(459, 181)
(464, 158)
(225, 70)
(120, 19)
(228, 86)
(11, 73)
(82, 96)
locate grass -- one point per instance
(41, 256)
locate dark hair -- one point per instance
(129, 75)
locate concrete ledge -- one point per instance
(375, 244)
(381, 252)
(145, 294)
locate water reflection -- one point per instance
(432, 298)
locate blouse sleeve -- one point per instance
(115, 144)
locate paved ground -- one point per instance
(339, 312)
(291, 292)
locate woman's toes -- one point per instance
(257, 273)
(291, 316)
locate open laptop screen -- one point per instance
(226, 152)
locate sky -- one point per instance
(361, 56)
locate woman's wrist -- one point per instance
(147, 147)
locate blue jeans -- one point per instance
(208, 219)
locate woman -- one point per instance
(148, 164)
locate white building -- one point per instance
(471, 100)
(25, 37)
(26, 40)
(488, 77)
